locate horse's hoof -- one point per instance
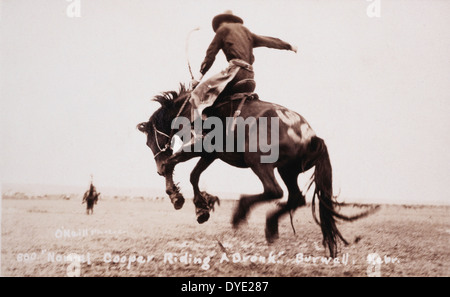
(240, 214)
(237, 221)
(178, 205)
(271, 236)
(177, 200)
(271, 231)
(203, 216)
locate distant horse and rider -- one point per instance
(229, 97)
(91, 198)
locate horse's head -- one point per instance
(158, 128)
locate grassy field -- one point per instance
(150, 238)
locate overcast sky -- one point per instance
(377, 89)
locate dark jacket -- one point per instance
(237, 42)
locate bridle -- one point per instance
(166, 147)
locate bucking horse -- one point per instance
(299, 149)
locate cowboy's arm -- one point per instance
(212, 51)
(272, 42)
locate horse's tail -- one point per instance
(322, 177)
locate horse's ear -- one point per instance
(142, 127)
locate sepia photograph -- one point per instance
(225, 144)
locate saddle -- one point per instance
(244, 86)
(242, 90)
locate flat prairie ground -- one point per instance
(128, 237)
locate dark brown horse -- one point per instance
(91, 198)
(299, 149)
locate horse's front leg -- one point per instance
(201, 199)
(173, 190)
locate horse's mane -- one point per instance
(168, 101)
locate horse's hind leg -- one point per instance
(295, 199)
(272, 190)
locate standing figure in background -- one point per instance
(91, 198)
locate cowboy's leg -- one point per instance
(206, 93)
(196, 100)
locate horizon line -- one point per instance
(13, 186)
